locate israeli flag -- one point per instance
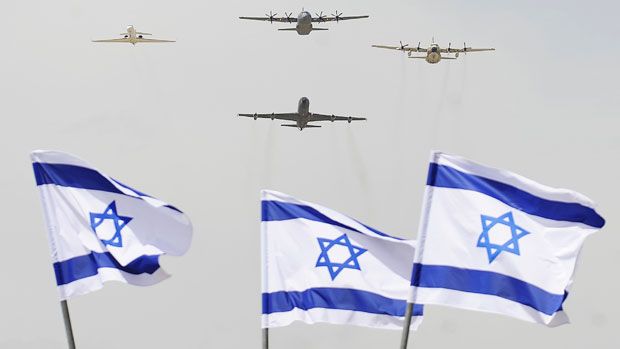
(322, 266)
(494, 241)
(100, 229)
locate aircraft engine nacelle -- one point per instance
(273, 116)
(456, 55)
(140, 36)
(333, 118)
(255, 116)
(350, 119)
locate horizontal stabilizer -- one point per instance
(313, 29)
(289, 125)
(288, 29)
(420, 57)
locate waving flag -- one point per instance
(494, 241)
(100, 229)
(322, 266)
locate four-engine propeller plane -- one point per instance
(303, 116)
(304, 20)
(433, 52)
(133, 37)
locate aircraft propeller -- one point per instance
(320, 17)
(337, 16)
(465, 48)
(402, 47)
(288, 17)
(449, 47)
(271, 16)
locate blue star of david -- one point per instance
(96, 219)
(336, 268)
(512, 245)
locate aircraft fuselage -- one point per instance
(132, 35)
(303, 109)
(433, 54)
(304, 23)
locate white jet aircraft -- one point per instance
(133, 37)
(433, 52)
(304, 20)
(302, 117)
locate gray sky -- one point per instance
(162, 119)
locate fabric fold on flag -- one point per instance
(319, 265)
(101, 230)
(494, 241)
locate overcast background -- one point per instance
(162, 118)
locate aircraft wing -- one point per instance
(468, 49)
(323, 117)
(152, 40)
(272, 116)
(336, 19)
(272, 19)
(113, 40)
(399, 48)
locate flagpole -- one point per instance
(68, 328)
(266, 338)
(407, 326)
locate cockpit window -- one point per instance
(434, 49)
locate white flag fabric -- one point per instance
(322, 266)
(100, 229)
(494, 241)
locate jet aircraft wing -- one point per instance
(113, 40)
(152, 40)
(335, 18)
(136, 40)
(272, 116)
(272, 19)
(323, 117)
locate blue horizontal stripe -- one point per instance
(82, 178)
(72, 176)
(85, 266)
(489, 283)
(282, 211)
(448, 177)
(336, 298)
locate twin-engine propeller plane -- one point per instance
(304, 20)
(133, 37)
(433, 52)
(303, 116)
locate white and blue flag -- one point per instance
(322, 266)
(494, 241)
(100, 229)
